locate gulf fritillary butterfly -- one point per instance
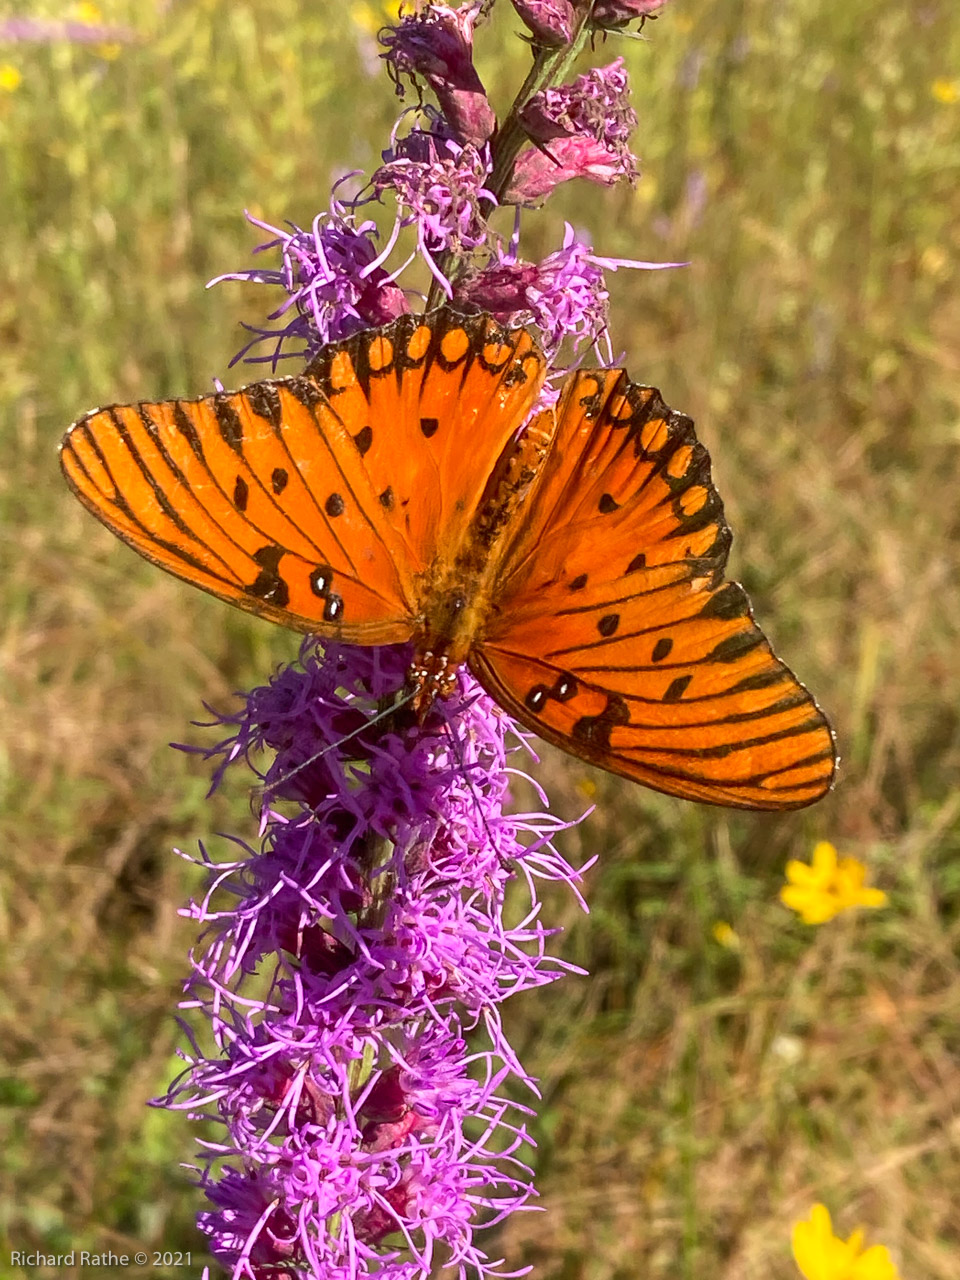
(386, 494)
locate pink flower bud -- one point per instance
(551, 21)
(537, 172)
(438, 45)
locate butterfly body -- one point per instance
(397, 492)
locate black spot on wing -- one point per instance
(269, 585)
(735, 646)
(677, 688)
(321, 580)
(594, 731)
(264, 400)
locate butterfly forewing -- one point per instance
(615, 635)
(431, 402)
(318, 501)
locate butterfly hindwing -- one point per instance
(615, 635)
(317, 501)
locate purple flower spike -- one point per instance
(551, 21)
(438, 45)
(343, 963)
(612, 14)
(335, 283)
(441, 185)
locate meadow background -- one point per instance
(699, 1094)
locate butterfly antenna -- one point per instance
(394, 705)
(461, 761)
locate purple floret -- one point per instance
(335, 282)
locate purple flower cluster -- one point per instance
(446, 170)
(439, 186)
(334, 280)
(344, 963)
(580, 130)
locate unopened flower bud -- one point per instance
(551, 21)
(438, 45)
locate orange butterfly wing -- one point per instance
(320, 501)
(614, 634)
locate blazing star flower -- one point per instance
(438, 45)
(345, 960)
(821, 1255)
(596, 104)
(828, 886)
(580, 130)
(565, 295)
(441, 186)
(551, 21)
(334, 279)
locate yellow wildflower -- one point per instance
(821, 1255)
(372, 15)
(726, 935)
(946, 91)
(828, 886)
(87, 13)
(10, 78)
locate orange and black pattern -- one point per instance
(333, 502)
(617, 636)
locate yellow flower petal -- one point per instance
(800, 874)
(824, 857)
(813, 906)
(10, 78)
(875, 1264)
(946, 91)
(87, 13)
(821, 1255)
(726, 935)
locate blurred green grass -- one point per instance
(805, 158)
